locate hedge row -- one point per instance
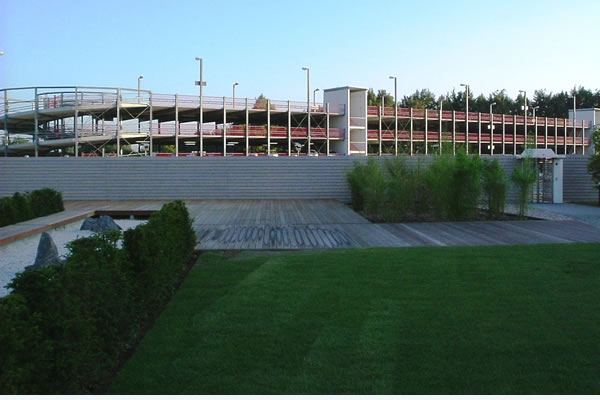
(25, 206)
(63, 328)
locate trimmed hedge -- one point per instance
(63, 328)
(25, 206)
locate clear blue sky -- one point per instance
(263, 45)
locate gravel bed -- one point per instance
(15, 256)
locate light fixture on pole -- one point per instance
(574, 97)
(307, 86)
(234, 85)
(467, 88)
(524, 107)
(395, 113)
(200, 84)
(315, 97)
(140, 87)
(307, 102)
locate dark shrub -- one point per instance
(63, 328)
(156, 251)
(8, 212)
(22, 206)
(46, 201)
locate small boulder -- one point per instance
(102, 224)
(47, 254)
(88, 224)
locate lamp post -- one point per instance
(307, 104)
(307, 86)
(524, 107)
(395, 114)
(233, 87)
(315, 97)
(140, 87)
(466, 116)
(201, 84)
(574, 97)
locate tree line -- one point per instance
(550, 104)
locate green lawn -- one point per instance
(500, 320)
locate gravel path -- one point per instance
(15, 256)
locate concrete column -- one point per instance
(247, 131)
(6, 134)
(467, 128)
(176, 125)
(574, 133)
(395, 121)
(514, 135)
(535, 132)
(76, 115)
(453, 132)
(151, 143)
(565, 132)
(479, 132)
(492, 129)
(308, 126)
(426, 138)
(503, 135)
(224, 128)
(289, 128)
(545, 132)
(556, 135)
(269, 128)
(441, 130)
(327, 126)
(411, 132)
(36, 122)
(379, 130)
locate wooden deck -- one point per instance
(305, 224)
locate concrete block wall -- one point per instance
(578, 183)
(220, 178)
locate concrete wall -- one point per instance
(578, 183)
(220, 178)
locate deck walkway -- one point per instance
(303, 224)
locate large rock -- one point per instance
(102, 224)
(47, 254)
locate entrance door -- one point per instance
(542, 188)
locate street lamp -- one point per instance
(234, 85)
(200, 84)
(466, 116)
(315, 97)
(307, 103)
(307, 86)
(140, 86)
(395, 114)
(524, 108)
(574, 97)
